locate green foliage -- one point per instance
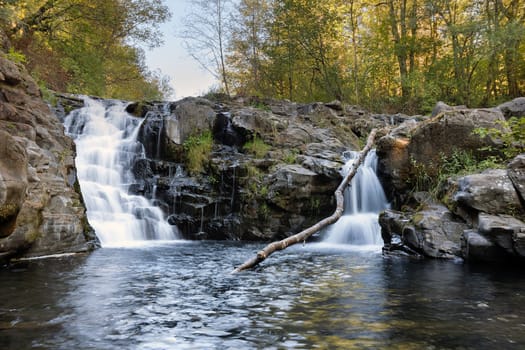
(389, 56)
(47, 94)
(257, 147)
(511, 134)
(91, 47)
(198, 150)
(16, 56)
(213, 180)
(263, 211)
(253, 172)
(261, 105)
(459, 163)
(291, 156)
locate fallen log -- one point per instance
(303, 235)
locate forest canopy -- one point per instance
(385, 54)
(88, 46)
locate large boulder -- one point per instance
(504, 230)
(433, 231)
(441, 107)
(250, 122)
(41, 208)
(190, 116)
(514, 108)
(449, 132)
(498, 238)
(490, 192)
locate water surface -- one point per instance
(182, 296)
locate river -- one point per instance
(181, 295)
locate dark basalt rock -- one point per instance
(241, 196)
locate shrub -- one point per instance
(459, 163)
(257, 147)
(198, 150)
(512, 136)
(291, 157)
(16, 56)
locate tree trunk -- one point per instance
(303, 235)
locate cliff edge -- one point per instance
(41, 207)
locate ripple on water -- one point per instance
(182, 296)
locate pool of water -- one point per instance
(182, 296)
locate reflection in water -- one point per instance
(182, 296)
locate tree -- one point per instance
(248, 37)
(205, 37)
(86, 46)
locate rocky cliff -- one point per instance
(272, 169)
(41, 209)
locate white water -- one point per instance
(364, 200)
(106, 141)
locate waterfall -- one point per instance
(364, 198)
(107, 147)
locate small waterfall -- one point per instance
(364, 199)
(107, 147)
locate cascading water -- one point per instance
(107, 147)
(364, 199)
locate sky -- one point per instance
(187, 77)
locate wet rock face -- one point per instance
(41, 212)
(243, 193)
(225, 133)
